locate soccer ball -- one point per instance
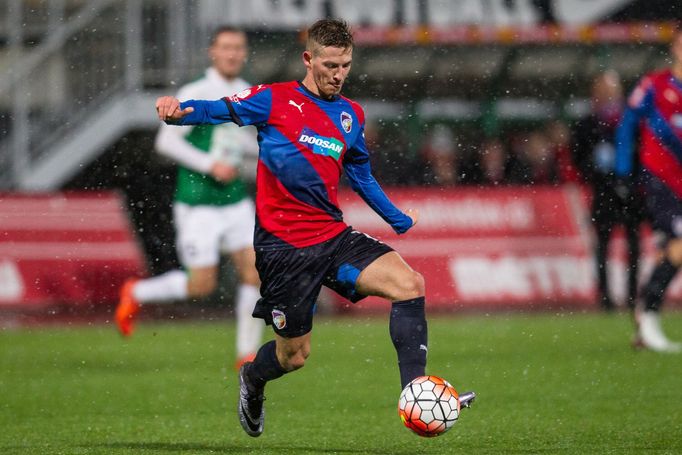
(429, 406)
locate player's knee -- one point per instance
(412, 286)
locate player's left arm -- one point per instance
(359, 172)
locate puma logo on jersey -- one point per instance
(297, 106)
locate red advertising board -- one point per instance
(496, 247)
(70, 248)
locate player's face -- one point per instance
(607, 91)
(328, 67)
(228, 53)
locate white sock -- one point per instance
(652, 335)
(249, 329)
(165, 288)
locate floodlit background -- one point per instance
(474, 101)
(470, 107)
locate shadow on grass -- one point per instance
(194, 447)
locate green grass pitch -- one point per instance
(546, 383)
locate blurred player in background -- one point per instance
(655, 110)
(594, 153)
(212, 211)
(308, 135)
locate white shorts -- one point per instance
(204, 232)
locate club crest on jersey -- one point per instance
(320, 145)
(346, 121)
(279, 320)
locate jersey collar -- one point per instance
(308, 92)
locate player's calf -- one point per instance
(409, 334)
(265, 367)
(659, 281)
(292, 356)
(202, 281)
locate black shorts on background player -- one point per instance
(292, 278)
(665, 209)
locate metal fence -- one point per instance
(63, 61)
(63, 58)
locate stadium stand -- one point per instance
(75, 103)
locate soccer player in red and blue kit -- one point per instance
(655, 112)
(308, 135)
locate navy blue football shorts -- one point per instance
(291, 279)
(665, 209)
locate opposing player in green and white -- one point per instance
(212, 212)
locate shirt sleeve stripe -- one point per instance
(233, 114)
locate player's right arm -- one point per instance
(250, 107)
(192, 112)
(169, 111)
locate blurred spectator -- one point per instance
(440, 156)
(392, 162)
(559, 136)
(594, 152)
(372, 137)
(492, 163)
(535, 162)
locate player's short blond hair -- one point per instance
(329, 32)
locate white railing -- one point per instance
(88, 53)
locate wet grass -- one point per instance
(564, 383)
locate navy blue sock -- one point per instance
(265, 366)
(410, 337)
(655, 288)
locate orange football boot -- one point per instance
(242, 360)
(127, 308)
